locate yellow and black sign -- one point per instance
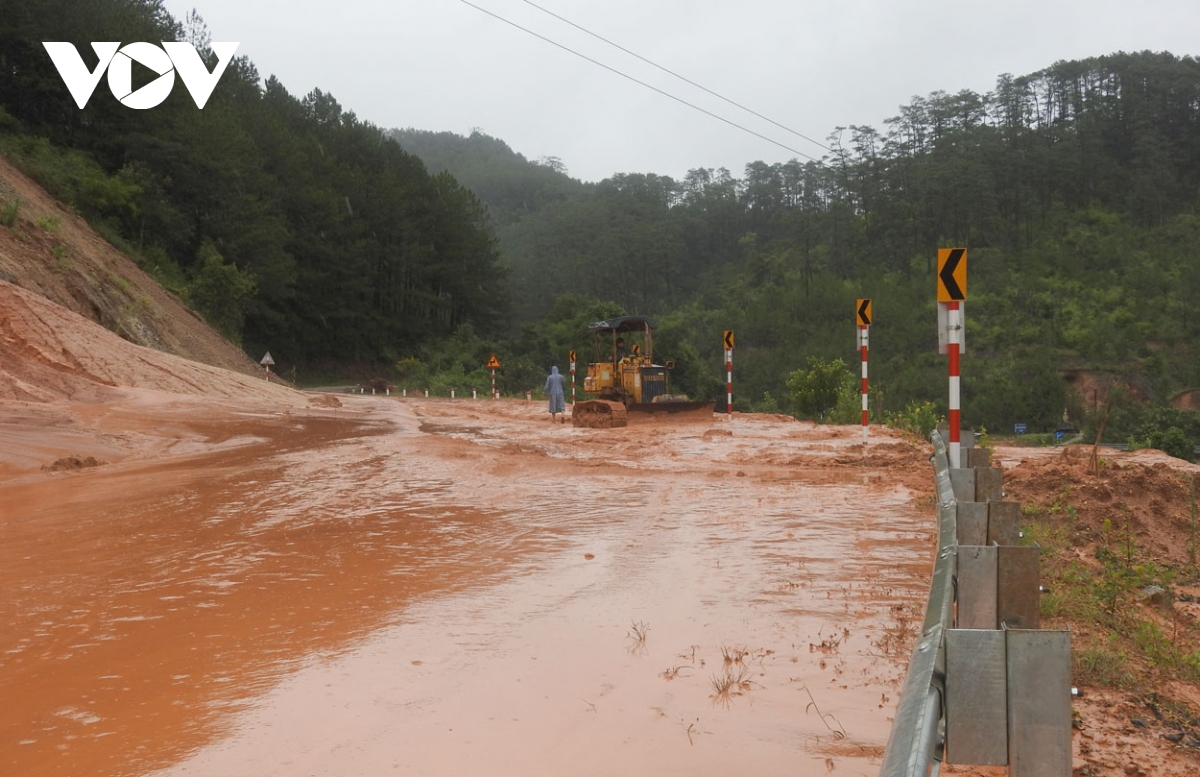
(572, 357)
(728, 339)
(493, 363)
(863, 312)
(952, 274)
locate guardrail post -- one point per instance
(998, 688)
(976, 697)
(972, 523)
(1018, 598)
(988, 486)
(977, 586)
(1004, 523)
(978, 457)
(963, 482)
(1039, 703)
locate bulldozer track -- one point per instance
(599, 414)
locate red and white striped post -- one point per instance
(955, 385)
(729, 382)
(862, 314)
(862, 341)
(728, 340)
(952, 290)
(493, 364)
(572, 379)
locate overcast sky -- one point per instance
(809, 66)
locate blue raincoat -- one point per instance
(554, 391)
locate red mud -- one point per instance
(251, 580)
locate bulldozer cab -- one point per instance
(624, 370)
(625, 378)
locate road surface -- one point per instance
(436, 587)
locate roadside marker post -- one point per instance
(728, 342)
(952, 292)
(572, 379)
(863, 314)
(493, 364)
(955, 419)
(474, 394)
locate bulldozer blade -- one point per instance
(690, 408)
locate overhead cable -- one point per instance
(641, 83)
(677, 75)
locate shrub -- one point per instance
(411, 371)
(848, 409)
(1173, 442)
(1097, 666)
(814, 392)
(8, 212)
(917, 418)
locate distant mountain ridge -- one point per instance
(508, 183)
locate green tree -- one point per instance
(814, 392)
(220, 291)
(1173, 442)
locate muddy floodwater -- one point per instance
(436, 587)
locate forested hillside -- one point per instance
(289, 222)
(1076, 190)
(295, 226)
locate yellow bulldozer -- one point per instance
(624, 377)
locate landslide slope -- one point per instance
(51, 354)
(52, 252)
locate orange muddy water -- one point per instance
(434, 587)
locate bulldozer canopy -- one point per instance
(623, 324)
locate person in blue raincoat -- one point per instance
(554, 392)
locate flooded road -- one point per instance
(445, 588)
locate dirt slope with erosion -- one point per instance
(54, 253)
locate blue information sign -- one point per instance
(1019, 428)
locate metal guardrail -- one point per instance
(918, 728)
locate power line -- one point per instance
(677, 75)
(641, 83)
